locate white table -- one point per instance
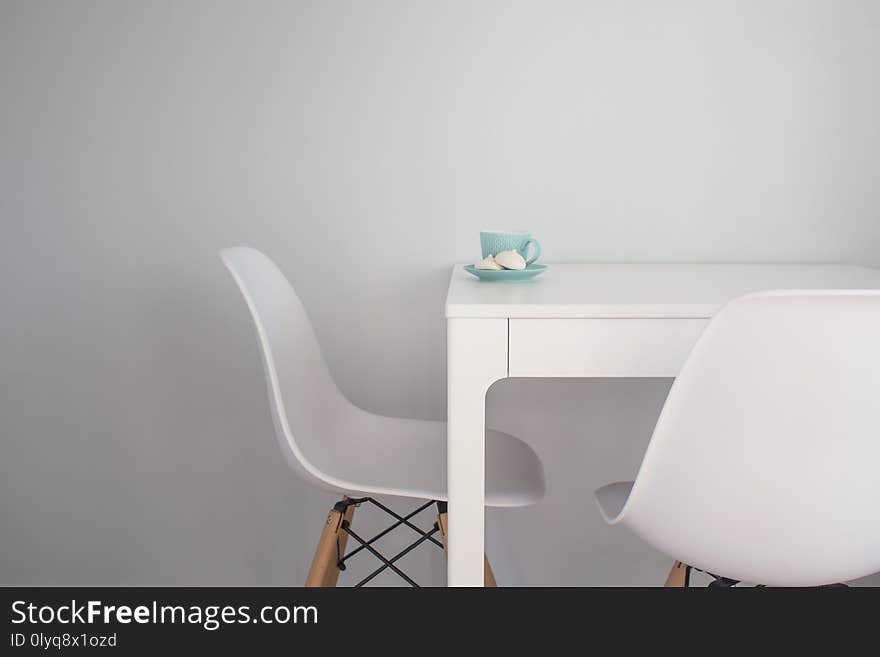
(580, 321)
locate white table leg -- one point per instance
(476, 358)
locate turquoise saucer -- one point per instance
(509, 275)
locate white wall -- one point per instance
(363, 145)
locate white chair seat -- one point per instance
(407, 458)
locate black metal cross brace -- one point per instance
(368, 544)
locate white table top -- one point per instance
(578, 290)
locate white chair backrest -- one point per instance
(305, 402)
(765, 461)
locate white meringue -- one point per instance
(488, 263)
(510, 260)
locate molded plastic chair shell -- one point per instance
(763, 466)
(331, 442)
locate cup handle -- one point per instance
(525, 249)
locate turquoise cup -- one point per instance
(494, 242)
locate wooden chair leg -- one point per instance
(324, 570)
(679, 576)
(342, 541)
(488, 575)
(441, 523)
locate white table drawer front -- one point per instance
(601, 347)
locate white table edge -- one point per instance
(574, 311)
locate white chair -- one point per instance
(334, 444)
(763, 466)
